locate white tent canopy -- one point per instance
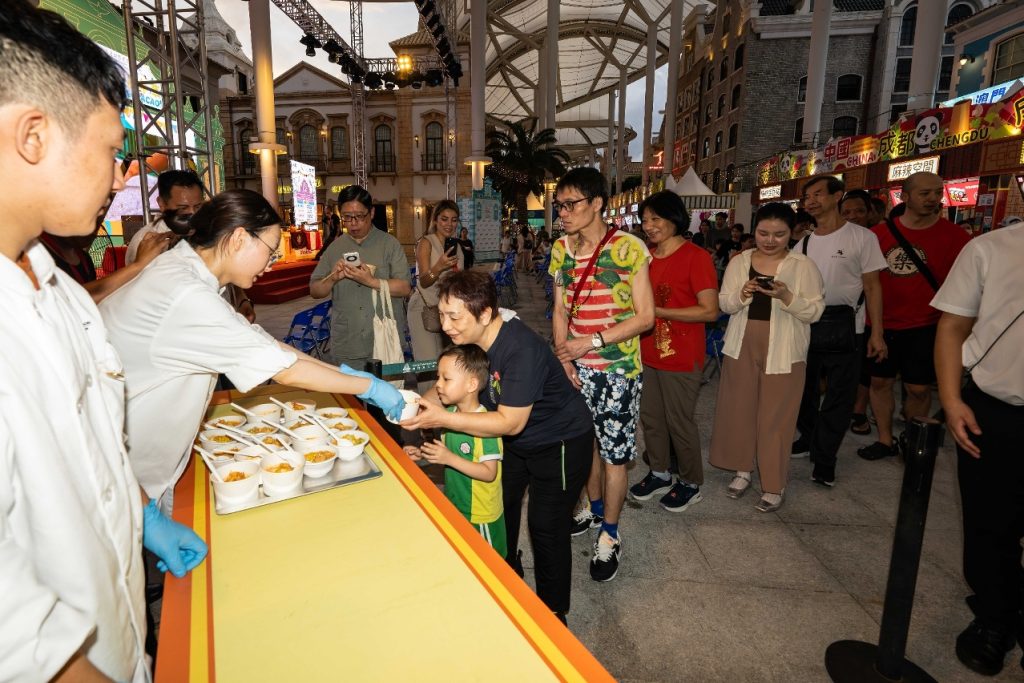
(690, 185)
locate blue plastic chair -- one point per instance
(301, 334)
(714, 342)
(321, 329)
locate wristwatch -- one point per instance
(597, 341)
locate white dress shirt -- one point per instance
(70, 509)
(175, 333)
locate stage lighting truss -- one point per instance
(320, 34)
(403, 71)
(433, 13)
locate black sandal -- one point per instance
(860, 424)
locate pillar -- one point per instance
(551, 64)
(263, 76)
(539, 107)
(817, 58)
(924, 66)
(620, 151)
(652, 58)
(611, 136)
(477, 158)
(674, 52)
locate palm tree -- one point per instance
(523, 159)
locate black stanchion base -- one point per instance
(851, 661)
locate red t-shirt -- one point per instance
(906, 294)
(676, 280)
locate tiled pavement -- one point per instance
(722, 592)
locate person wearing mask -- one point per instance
(908, 285)
(685, 290)
(981, 330)
(350, 270)
(849, 260)
(545, 425)
(438, 254)
(468, 250)
(72, 520)
(773, 295)
(179, 196)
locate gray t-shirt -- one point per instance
(352, 310)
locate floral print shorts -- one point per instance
(614, 401)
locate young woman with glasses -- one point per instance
(176, 334)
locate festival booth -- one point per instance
(700, 200)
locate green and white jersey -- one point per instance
(479, 501)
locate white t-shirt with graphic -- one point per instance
(843, 257)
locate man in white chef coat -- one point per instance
(72, 521)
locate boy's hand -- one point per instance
(434, 452)
(413, 452)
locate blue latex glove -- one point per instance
(178, 548)
(380, 393)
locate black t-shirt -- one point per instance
(523, 372)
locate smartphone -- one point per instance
(450, 244)
(765, 282)
(352, 258)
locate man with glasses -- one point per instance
(350, 280)
(603, 302)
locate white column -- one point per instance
(817, 57)
(611, 136)
(924, 66)
(551, 64)
(652, 58)
(263, 76)
(674, 52)
(539, 107)
(477, 85)
(620, 152)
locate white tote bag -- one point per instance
(387, 345)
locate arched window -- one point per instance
(246, 159)
(738, 57)
(908, 26)
(716, 180)
(798, 131)
(844, 126)
(957, 13)
(730, 176)
(723, 71)
(307, 142)
(383, 154)
(434, 160)
(801, 89)
(707, 148)
(721, 105)
(707, 114)
(848, 88)
(339, 143)
(718, 142)
(711, 78)
(734, 133)
(735, 97)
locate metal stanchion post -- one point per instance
(376, 368)
(852, 661)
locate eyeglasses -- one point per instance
(275, 255)
(569, 204)
(354, 217)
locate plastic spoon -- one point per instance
(317, 421)
(281, 427)
(208, 459)
(248, 438)
(242, 410)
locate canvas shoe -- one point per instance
(584, 520)
(605, 563)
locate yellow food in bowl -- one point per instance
(230, 421)
(235, 476)
(298, 406)
(319, 456)
(353, 439)
(220, 438)
(279, 468)
(331, 416)
(250, 457)
(297, 424)
(271, 441)
(259, 430)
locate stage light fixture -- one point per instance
(311, 43)
(373, 80)
(433, 22)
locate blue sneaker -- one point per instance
(681, 497)
(650, 486)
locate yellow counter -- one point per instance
(378, 581)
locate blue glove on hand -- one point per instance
(380, 393)
(178, 548)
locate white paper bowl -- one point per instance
(342, 424)
(235, 421)
(331, 413)
(277, 442)
(412, 405)
(321, 468)
(294, 409)
(311, 434)
(237, 491)
(212, 439)
(297, 422)
(222, 457)
(348, 450)
(259, 429)
(280, 483)
(251, 454)
(270, 411)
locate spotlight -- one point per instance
(455, 71)
(434, 78)
(966, 59)
(311, 43)
(416, 85)
(404, 63)
(442, 44)
(356, 78)
(373, 80)
(433, 22)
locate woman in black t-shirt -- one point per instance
(546, 427)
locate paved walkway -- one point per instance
(722, 592)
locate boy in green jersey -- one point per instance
(472, 475)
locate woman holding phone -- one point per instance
(773, 296)
(437, 254)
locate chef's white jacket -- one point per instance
(175, 333)
(70, 509)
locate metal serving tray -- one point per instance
(343, 473)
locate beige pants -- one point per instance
(666, 411)
(755, 416)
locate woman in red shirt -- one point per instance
(685, 297)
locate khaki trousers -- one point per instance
(755, 416)
(666, 411)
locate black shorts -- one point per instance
(911, 356)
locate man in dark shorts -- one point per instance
(908, 319)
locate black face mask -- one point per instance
(177, 222)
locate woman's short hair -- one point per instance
(668, 206)
(443, 205)
(776, 211)
(231, 209)
(473, 288)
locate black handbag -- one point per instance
(836, 330)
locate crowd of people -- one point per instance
(106, 380)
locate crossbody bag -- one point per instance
(912, 254)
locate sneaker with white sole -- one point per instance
(605, 563)
(650, 486)
(585, 520)
(681, 497)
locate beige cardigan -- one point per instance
(790, 325)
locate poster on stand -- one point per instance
(304, 195)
